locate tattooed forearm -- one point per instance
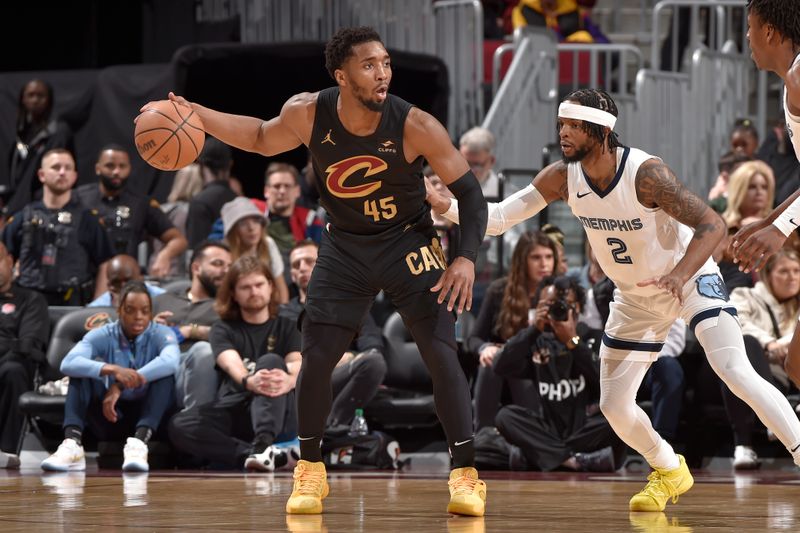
(657, 186)
(707, 228)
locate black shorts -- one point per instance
(351, 269)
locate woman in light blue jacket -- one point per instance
(121, 373)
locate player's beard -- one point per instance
(371, 104)
(578, 156)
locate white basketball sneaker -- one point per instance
(69, 457)
(745, 458)
(135, 453)
(268, 460)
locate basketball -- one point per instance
(169, 136)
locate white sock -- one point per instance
(619, 383)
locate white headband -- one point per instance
(589, 114)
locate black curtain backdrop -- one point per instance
(256, 80)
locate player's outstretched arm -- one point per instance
(657, 186)
(549, 185)
(290, 129)
(425, 136)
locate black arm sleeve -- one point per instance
(473, 214)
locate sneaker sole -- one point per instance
(135, 467)
(254, 464)
(466, 510)
(75, 467)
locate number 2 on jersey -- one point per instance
(387, 208)
(618, 248)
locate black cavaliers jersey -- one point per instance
(365, 184)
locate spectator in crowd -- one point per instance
(567, 18)
(309, 195)
(751, 191)
(289, 223)
(505, 311)
(259, 355)
(744, 138)
(731, 275)
(768, 313)
(121, 382)
(188, 182)
(664, 383)
(128, 216)
(37, 132)
(361, 370)
(777, 152)
(120, 270)
(24, 328)
(215, 162)
(566, 372)
(718, 195)
(477, 146)
(190, 313)
(59, 244)
(245, 229)
(555, 233)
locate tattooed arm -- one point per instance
(657, 186)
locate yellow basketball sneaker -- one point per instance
(662, 486)
(467, 492)
(310, 488)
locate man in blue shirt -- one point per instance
(121, 372)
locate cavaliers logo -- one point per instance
(96, 320)
(339, 172)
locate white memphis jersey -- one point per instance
(792, 122)
(631, 242)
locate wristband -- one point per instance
(244, 382)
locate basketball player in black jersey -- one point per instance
(367, 149)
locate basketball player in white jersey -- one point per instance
(774, 35)
(654, 239)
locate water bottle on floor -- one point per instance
(359, 426)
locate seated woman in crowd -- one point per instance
(504, 312)
(554, 354)
(245, 229)
(768, 313)
(121, 382)
(751, 191)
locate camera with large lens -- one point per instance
(559, 310)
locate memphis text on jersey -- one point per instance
(612, 224)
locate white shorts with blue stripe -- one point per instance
(637, 325)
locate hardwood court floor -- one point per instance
(412, 502)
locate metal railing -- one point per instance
(712, 23)
(685, 118)
(523, 115)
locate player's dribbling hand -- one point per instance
(670, 283)
(457, 280)
(180, 100)
(753, 244)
